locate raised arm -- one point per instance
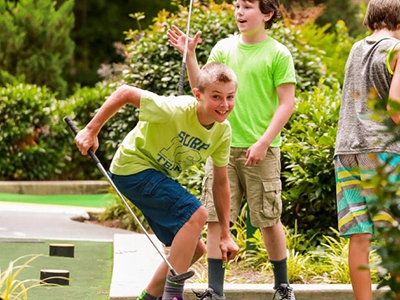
(87, 138)
(177, 40)
(221, 192)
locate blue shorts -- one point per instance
(166, 205)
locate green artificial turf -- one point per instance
(90, 269)
(98, 200)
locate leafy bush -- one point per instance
(154, 65)
(29, 147)
(307, 160)
(334, 46)
(35, 42)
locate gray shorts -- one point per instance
(260, 185)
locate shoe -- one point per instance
(284, 292)
(208, 294)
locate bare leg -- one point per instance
(275, 241)
(185, 250)
(213, 239)
(359, 257)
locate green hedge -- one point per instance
(308, 175)
(35, 42)
(29, 147)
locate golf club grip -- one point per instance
(181, 79)
(71, 125)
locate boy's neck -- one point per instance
(256, 38)
(384, 33)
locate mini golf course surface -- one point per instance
(90, 268)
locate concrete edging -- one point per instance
(43, 188)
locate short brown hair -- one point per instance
(267, 6)
(383, 14)
(214, 72)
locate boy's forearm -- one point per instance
(278, 122)
(193, 69)
(122, 96)
(221, 192)
(282, 114)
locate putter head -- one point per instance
(182, 277)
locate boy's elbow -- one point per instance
(129, 95)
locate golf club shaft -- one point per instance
(104, 172)
(183, 67)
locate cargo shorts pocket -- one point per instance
(272, 203)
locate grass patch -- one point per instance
(98, 200)
(90, 269)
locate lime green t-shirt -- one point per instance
(170, 138)
(260, 69)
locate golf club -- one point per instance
(176, 277)
(183, 67)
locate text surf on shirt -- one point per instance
(183, 152)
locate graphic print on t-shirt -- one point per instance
(183, 152)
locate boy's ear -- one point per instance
(196, 93)
(268, 16)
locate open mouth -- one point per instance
(221, 112)
(242, 21)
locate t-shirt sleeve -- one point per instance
(220, 156)
(155, 108)
(283, 68)
(217, 54)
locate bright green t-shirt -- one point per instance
(260, 69)
(170, 138)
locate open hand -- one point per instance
(177, 40)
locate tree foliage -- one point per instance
(35, 43)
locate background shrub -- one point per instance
(29, 144)
(35, 42)
(307, 160)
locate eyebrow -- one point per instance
(215, 91)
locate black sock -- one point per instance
(146, 296)
(216, 275)
(280, 272)
(173, 289)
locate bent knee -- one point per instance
(199, 216)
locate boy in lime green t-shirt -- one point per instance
(173, 134)
(264, 103)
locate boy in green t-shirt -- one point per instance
(264, 103)
(173, 134)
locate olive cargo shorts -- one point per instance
(260, 184)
